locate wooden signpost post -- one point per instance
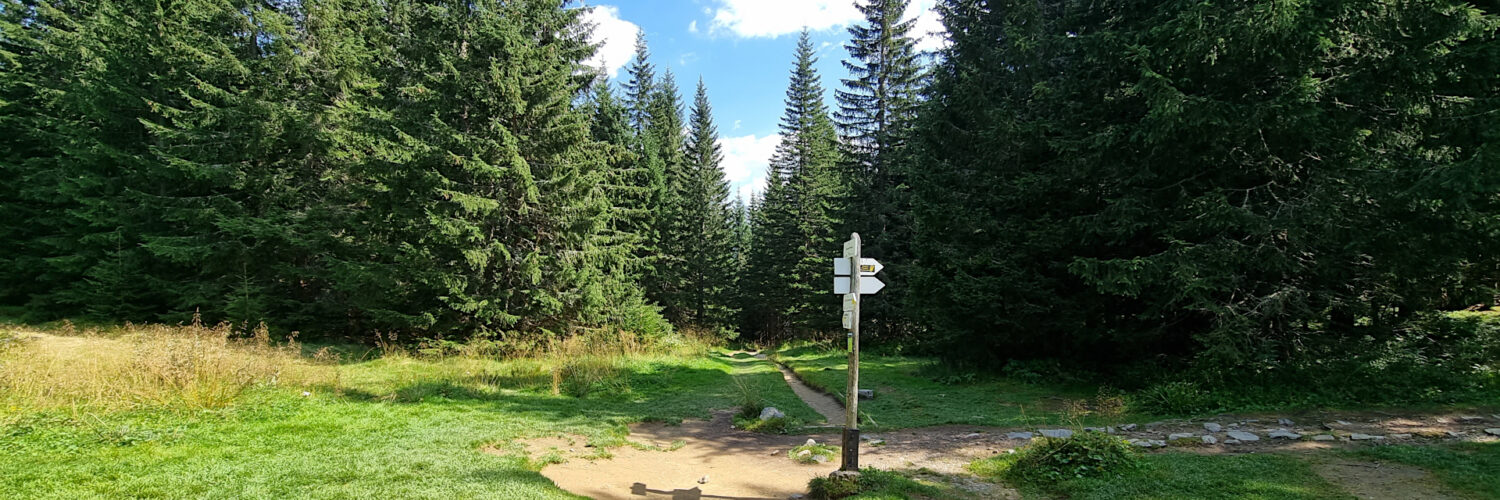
(853, 276)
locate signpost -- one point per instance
(852, 284)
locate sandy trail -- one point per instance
(737, 464)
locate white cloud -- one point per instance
(693, 26)
(745, 160)
(773, 18)
(614, 36)
(929, 30)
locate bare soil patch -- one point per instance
(747, 465)
(736, 464)
(1382, 480)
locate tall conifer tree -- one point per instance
(795, 232)
(877, 107)
(707, 237)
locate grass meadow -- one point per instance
(191, 412)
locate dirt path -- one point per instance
(712, 459)
(668, 461)
(831, 409)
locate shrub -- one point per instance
(875, 483)
(814, 450)
(1172, 398)
(1050, 460)
(777, 425)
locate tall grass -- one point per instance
(601, 361)
(195, 367)
(151, 366)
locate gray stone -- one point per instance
(1231, 441)
(1180, 435)
(1019, 435)
(1325, 437)
(1402, 435)
(1243, 436)
(810, 442)
(1471, 418)
(1341, 422)
(1159, 443)
(1284, 434)
(822, 459)
(1455, 434)
(1144, 443)
(1285, 422)
(804, 453)
(866, 394)
(877, 442)
(1056, 433)
(1210, 440)
(1128, 427)
(1212, 427)
(771, 412)
(1493, 432)
(703, 480)
(844, 475)
(1365, 437)
(973, 435)
(796, 496)
(1102, 430)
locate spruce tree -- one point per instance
(877, 107)
(668, 173)
(627, 185)
(641, 85)
(491, 204)
(795, 236)
(1248, 191)
(707, 239)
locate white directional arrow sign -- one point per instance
(868, 285)
(867, 267)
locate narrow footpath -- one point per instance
(831, 409)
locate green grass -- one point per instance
(905, 398)
(396, 428)
(875, 484)
(1188, 476)
(1472, 468)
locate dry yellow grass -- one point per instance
(185, 367)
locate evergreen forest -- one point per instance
(1245, 188)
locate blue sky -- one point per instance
(743, 51)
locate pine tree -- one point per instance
(877, 107)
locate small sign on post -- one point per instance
(852, 283)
